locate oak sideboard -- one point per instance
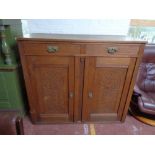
(79, 78)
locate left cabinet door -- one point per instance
(52, 82)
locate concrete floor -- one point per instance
(130, 127)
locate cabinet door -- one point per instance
(106, 87)
(52, 81)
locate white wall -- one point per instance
(76, 26)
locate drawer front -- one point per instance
(112, 50)
(50, 48)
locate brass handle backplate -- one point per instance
(52, 49)
(112, 50)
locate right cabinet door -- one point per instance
(106, 85)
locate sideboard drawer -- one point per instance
(50, 48)
(112, 50)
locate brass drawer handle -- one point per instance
(52, 49)
(112, 50)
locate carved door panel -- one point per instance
(52, 80)
(106, 86)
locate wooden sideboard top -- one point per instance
(79, 38)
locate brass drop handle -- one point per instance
(112, 50)
(90, 94)
(52, 49)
